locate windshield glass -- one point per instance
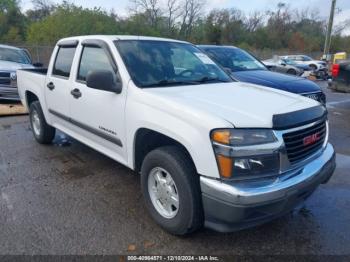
(289, 62)
(235, 59)
(160, 63)
(14, 55)
(306, 58)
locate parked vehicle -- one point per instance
(246, 68)
(211, 151)
(319, 67)
(341, 76)
(306, 60)
(287, 66)
(11, 59)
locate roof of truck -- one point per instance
(120, 37)
(10, 47)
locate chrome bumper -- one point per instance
(232, 206)
(257, 192)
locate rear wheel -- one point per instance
(313, 67)
(43, 133)
(171, 189)
(292, 72)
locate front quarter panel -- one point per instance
(187, 128)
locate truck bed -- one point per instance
(31, 80)
(41, 71)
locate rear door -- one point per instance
(58, 82)
(98, 115)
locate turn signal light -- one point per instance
(225, 166)
(221, 136)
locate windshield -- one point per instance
(306, 58)
(14, 55)
(160, 63)
(235, 59)
(289, 62)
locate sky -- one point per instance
(323, 6)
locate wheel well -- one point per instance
(147, 140)
(313, 65)
(30, 98)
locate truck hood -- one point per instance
(241, 104)
(280, 81)
(12, 66)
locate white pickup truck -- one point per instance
(210, 151)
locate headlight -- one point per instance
(246, 153)
(243, 137)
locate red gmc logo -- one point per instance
(309, 140)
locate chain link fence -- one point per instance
(38, 53)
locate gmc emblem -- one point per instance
(309, 140)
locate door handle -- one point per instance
(50, 86)
(76, 93)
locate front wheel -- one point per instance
(292, 72)
(170, 186)
(43, 133)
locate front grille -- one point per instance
(300, 144)
(5, 78)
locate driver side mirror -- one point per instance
(104, 80)
(283, 64)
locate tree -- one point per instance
(190, 10)
(41, 10)
(12, 21)
(149, 8)
(67, 20)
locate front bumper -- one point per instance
(9, 93)
(232, 206)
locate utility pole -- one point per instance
(327, 44)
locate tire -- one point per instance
(43, 133)
(292, 72)
(189, 215)
(313, 67)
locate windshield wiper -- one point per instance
(164, 83)
(207, 79)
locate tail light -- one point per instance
(335, 70)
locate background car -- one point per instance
(245, 67)
(281, 66)
(11, 59)
(306, 60)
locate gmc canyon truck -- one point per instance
(210, 151)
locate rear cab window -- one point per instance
(63, 61)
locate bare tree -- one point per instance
(254, 21)
(190, 11)
(150, 8)
(172, 13)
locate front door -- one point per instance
(98, 115)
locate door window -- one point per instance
(64, 60)
(93, 58)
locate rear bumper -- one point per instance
(230, 206)
(9, 93)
